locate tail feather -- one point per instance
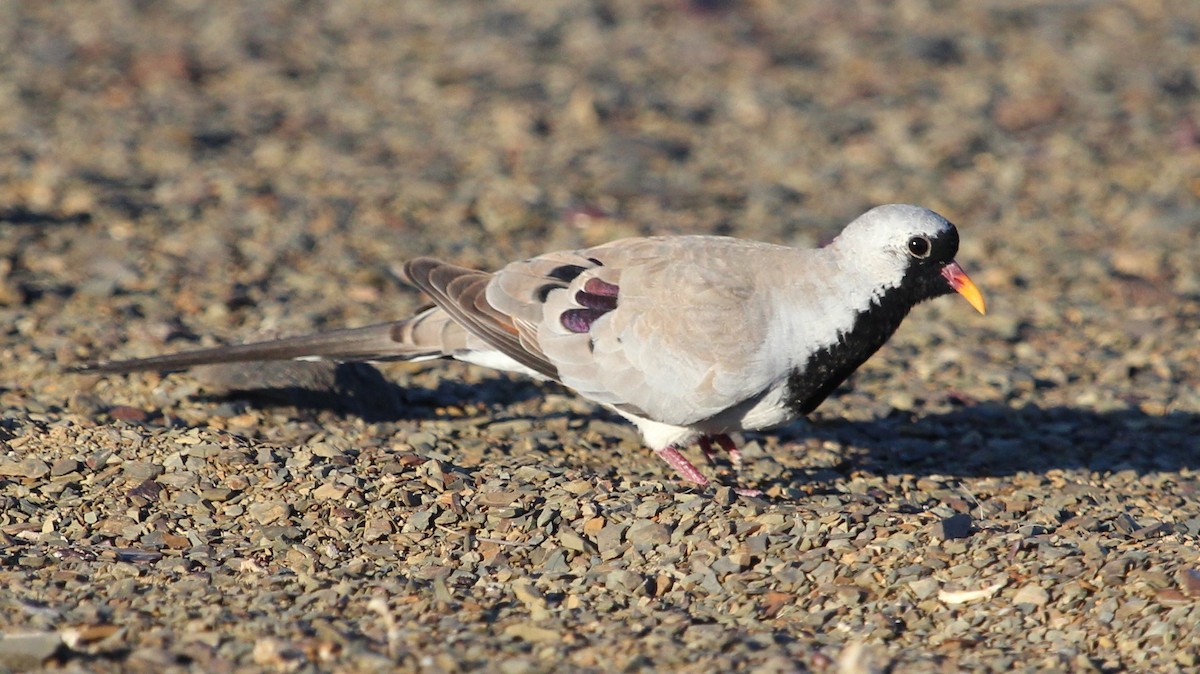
(430, 334)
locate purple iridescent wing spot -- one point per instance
(598, 298)
(595, 286)
(600, 302)
(580, 320)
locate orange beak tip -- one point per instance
(963, 285)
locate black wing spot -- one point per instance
(544, 291)
(567, 272)
(596, 262)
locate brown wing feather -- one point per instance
(461, 292)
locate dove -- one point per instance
(692, 338)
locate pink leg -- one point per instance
(706, 447)
(682, 466)
(735, 458)
(727, 444)
(691, 474)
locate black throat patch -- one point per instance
(807, 387)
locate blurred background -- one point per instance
(230, 163)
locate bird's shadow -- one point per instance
(982, 440)
(992, 440)
(352, 389)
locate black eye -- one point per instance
(918, 246)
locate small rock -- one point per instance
(127, 413)
(178, 479)
(88, 636)
(497, 499)
(377, 527)
(326, 451)
(422, 441)
(955, 526)
(609, 538)
(514, 426)
(30, 467)
(141, 470)
(1155, 530)
(148, 491)
(330, 492)
(528, 595)
(923, 588)
(731, 563)
(1031, 594)
(532, 633)
(572, 541)
(648, 532)
(216, 494)
(623, 580)
(1191, 582)
(1172, 597)
(27, 651)
(65, 467)
(849, 595)
(556, 562)
(419, 521)
(267, 512)
(1125, 524)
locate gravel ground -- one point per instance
(1011, 493)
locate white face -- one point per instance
(882, 243)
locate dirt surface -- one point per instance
(1015, 492)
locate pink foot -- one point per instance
(690, 473)
(727, 444)
(682, 466)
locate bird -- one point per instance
(692, 338)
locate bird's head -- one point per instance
(910, 248)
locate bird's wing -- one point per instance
(674, 329)
(462, 294)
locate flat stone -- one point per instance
(24, 651)
(953, 527)
(532, 633)
(30, 467)
(65, 467)
(141, 470)
(269, 512)
(1031, 594)
(648, 532)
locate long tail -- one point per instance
(429, 334)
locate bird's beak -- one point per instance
(962, 284)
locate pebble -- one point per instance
(1191, 582)
(532, 633)
(648, 533)
(572, 541)
(141, 470)
(23, 651)
(1031, 594)
(29, 467)
(65, 467)
(268, 512)
(955, 526)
